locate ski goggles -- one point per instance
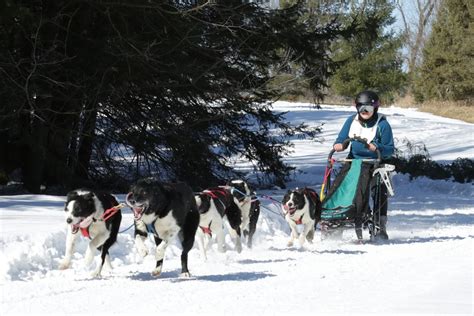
(365, 108)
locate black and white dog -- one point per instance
(166, 210)
(214, 204)
(302, 207)
(243, 198)
(97, 215)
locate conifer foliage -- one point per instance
(100, 93)
(447, 72)
(370, 59)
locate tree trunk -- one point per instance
(34, 155)
(86, 141)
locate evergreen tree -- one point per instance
(447, 72)
(370, 59)
(101, 93)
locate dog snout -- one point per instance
(290, 204)
(130, 199)
(69, 220)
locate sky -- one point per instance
(425, 268)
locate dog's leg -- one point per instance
(96, 242)
(245, 211)
(105, 254)
(218, 228)
(201, 244)
(140, 245)
(140, 237)
(104, 260)
(294, 233)
(310, 234)
(189, 232)
(306, 229)
(254, 213)
(235, 234)
(234, 218)
(187, 245)
(70, 242)
(220, 239)
(161, 245)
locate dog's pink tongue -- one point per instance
(138, 211)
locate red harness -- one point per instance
(85, 232)
(215, 193)
(299, 221)
(206, 230)
(108, 213)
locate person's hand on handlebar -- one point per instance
(372, 147)
(338, 147)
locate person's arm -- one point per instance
(343, 134)
(384, 143)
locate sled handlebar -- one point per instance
(346, 143)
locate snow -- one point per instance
(425, 268)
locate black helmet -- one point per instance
(367, 98)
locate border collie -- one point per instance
(214, 204)
(243, 198)
(301, 207)
(98, 216)
(166, 210)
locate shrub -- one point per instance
(417, 163)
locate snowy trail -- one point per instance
(425, 268)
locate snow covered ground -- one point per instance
(425, 268)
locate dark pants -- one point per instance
(383, 196)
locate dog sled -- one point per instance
(354, 197)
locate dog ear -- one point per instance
(71, 196)
(89, 196)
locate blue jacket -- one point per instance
(383, 139)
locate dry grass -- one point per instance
(461, 110)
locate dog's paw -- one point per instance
(290, 243)
(302, 239)
(185, 275)
(142, 251)
(64, 265)
(89, 258)
(221, 248)
(156, 272)
(96, 274)
(238, 247)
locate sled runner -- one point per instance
(346, 201)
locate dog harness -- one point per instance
(299, 221)
(207, 230)
(85, 224)
(214, 194)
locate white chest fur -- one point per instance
(302, 214)
(98, 228)
(244, 206)
(211, 218)
(167, 227)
